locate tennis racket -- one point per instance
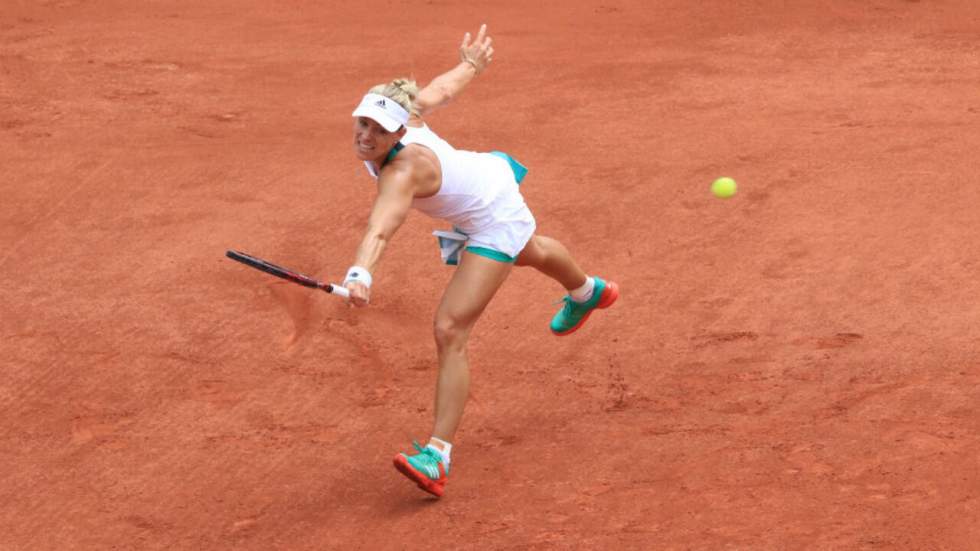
(287, 274)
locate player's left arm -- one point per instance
(474, 57)
(396, 189)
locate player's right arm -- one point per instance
(474, 58)
(396, 189)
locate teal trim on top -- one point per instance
(520, 171)
(391, 154)
(492, 254)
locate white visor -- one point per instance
(382, 110)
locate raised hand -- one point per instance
(479, 54)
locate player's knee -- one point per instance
(532, 255)
(449, 332)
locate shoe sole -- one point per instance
(423, 481)
(609, 296)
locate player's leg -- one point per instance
(474, 283)
(469, 291)
(551, 258)
(585, 294)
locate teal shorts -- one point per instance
(492, 254)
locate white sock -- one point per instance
(446, 450)
(584, 292)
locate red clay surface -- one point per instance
(794, 368)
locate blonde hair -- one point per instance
(402, 90)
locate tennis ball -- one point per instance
(723, 187)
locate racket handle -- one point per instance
(337, 290)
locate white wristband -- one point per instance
(358, 274)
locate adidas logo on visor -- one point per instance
(384, 111)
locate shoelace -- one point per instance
(427, 452)
(569, 308)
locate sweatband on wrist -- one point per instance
(358, 274)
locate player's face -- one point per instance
(371, 141)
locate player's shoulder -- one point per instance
(414, 159)
(415, 153)
(417, 163)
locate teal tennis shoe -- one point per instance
(574, 314)
(425, 468)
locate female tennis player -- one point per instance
(476, 192)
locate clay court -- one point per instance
(792, 368)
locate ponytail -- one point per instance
(402, 90)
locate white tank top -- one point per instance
(474, 185)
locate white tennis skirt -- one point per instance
(513, 224)
(506, 225)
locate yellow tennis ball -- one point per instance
(723, 187)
